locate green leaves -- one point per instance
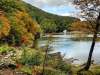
(48, 26)
(47, 20)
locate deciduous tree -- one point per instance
(91, 12)
(4, 24)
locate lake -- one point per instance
(73, 49)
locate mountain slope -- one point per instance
(16, 26)
(60, 22)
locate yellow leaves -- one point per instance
(19, 14)
(5, 33)
(26, 15)
(30, 23)
(36, 28)
(81, 30)
(21, 23)
(5, 24)
(81, 26)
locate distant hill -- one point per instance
(43, 18)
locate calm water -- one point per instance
(73, 49)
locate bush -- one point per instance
(27, 70)
(12, 49)
(30, 57)
(6, 50)
(64, 67)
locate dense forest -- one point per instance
(47, 21)
(16, 26)
(21, 22)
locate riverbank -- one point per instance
(28, 61)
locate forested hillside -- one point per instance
(16, 26)
(49, 22)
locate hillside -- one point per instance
(16, 26)
(48, 20)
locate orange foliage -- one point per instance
(19, 2)
(30, 23)
(19, 14)
(4, 25)
(23, 24)
(31, 26)
(19, 65)
(81, 26)
(35, 71)
(26, 39)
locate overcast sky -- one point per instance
(59, 7)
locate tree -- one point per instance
(48, 26)
(4, 25)
(91, 12)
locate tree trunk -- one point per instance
(35, 43)
(93, 44)
(45, 58)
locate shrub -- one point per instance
(64, 67)
(12, 49)
(6, 50)
(30, 57)
(27, 70)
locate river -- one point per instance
(73, 49)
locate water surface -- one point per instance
(73, 49)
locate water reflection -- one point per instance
(75, 49)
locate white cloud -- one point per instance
(55, 5)
(66, 14)
(51, 3)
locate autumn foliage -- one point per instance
(4, 24)
(26, 39)
(82, 27)
(15, 23)
(19, 65)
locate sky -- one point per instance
(59, 7)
